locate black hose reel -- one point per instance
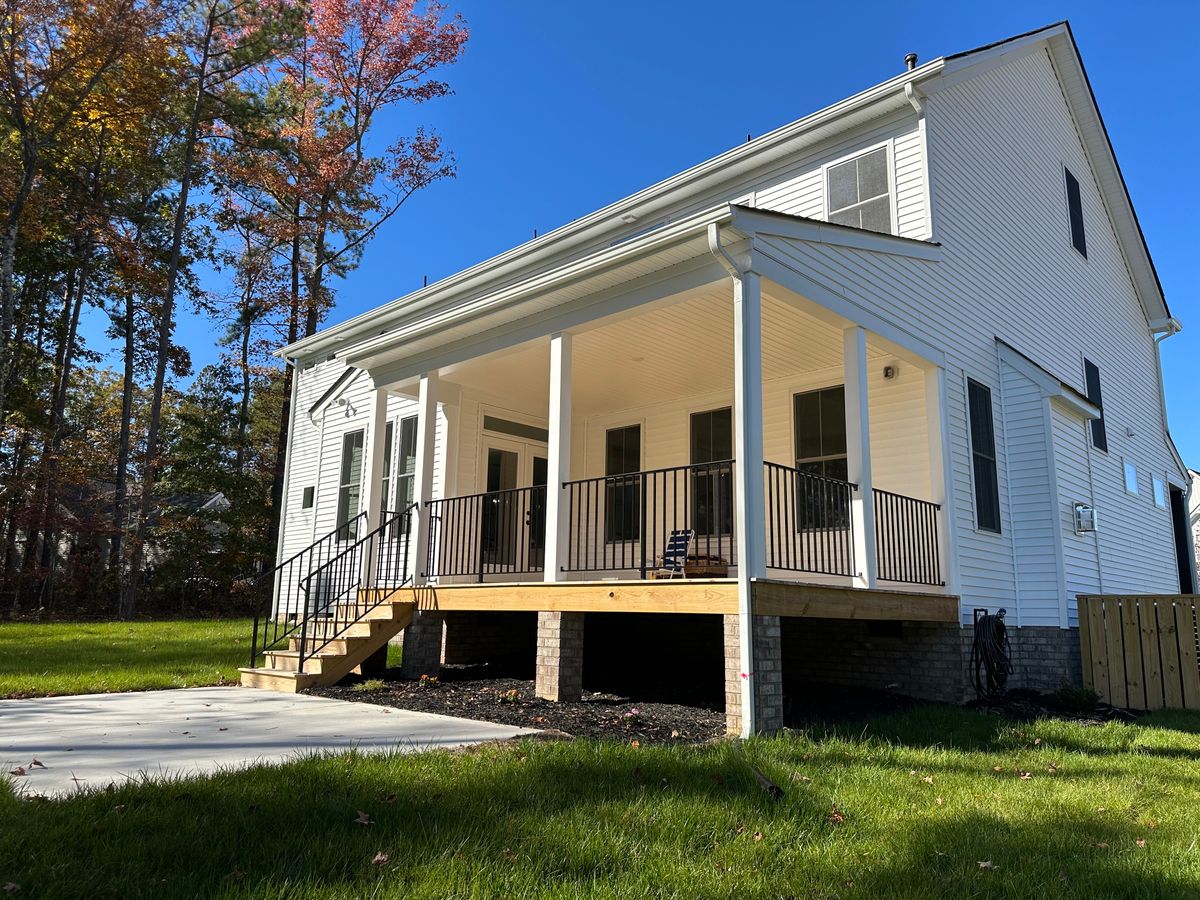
(989, 654)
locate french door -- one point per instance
(512, 530)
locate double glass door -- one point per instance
(512, 529)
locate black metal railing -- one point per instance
(621, 523)
(279, 608)
(906, 539)
(808, 522)
(316, 604)
(494, 533)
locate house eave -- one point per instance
(487, 276)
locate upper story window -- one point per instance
(1075, 211)
(858, 192)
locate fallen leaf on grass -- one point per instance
(1103, 845)
(1141, 842)
(836, 816)
(928, 779)
(10, 887)
(19, 770)
(796, 776)
(390, 798)
(758, 836)
(938, 801)
(635, 744)
(380, 859)
(508, 854)
(37, 764)
(986, 864)
(1026, 776)
(363, 819)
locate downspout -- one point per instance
(287, 482)
(1160, 330)
(745, 611)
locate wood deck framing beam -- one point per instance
(687, 596)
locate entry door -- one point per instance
(513, 522)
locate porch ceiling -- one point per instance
(673, 349)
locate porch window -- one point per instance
(857, 192)
(819, 423)
(712, 485)
(406, 463)
(983, 457)
(387, 466)
(622, 489)
(350, 485)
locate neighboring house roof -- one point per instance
(627, 219)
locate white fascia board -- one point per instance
(611, 256)
(755, 154)
(1050, 386)
(750, 220)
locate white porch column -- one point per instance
(559, 450)
(941, 479)
(373, 477)
(749, 503)
(423, 476)
(858, 455)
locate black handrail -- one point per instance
(809, 520)
(906, 539)
(623, 522)
(384, 553)
(282, 625)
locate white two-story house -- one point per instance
(785, 419)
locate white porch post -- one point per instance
(423, 476)
(373, 477)
(858, 455)
(749, 503)
(559, 451)
(941, 479)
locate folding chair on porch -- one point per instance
(674, 558)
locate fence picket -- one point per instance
(1151, 654)
(1185, 619)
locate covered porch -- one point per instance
(696, 385)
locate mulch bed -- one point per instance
(511, 701)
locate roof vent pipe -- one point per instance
(910, 60)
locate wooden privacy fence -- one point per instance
(1140, 652)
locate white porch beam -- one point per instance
(749, 503)
(375, 460)
(858, 455)
(423, 476)
(559, 452)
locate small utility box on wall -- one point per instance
(1085, 519)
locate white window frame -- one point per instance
(1159, 484)
(890, 145)
(1129, 474)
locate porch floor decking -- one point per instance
(690, 596)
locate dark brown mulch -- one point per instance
(511, 701)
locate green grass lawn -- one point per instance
(95, 657)
(936, 802)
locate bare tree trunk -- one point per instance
(120, 491)
(285, 408)
(8, 254)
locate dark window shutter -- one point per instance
(983, 457)
(1099, 434)
(1075, 209)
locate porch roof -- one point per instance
(668, 260)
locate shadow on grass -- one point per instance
(564, 820)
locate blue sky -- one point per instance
(562, 107)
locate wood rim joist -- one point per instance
(688, 596)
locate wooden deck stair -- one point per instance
(330, 659)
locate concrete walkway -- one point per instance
(99, 739)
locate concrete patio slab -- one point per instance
(93, 740)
